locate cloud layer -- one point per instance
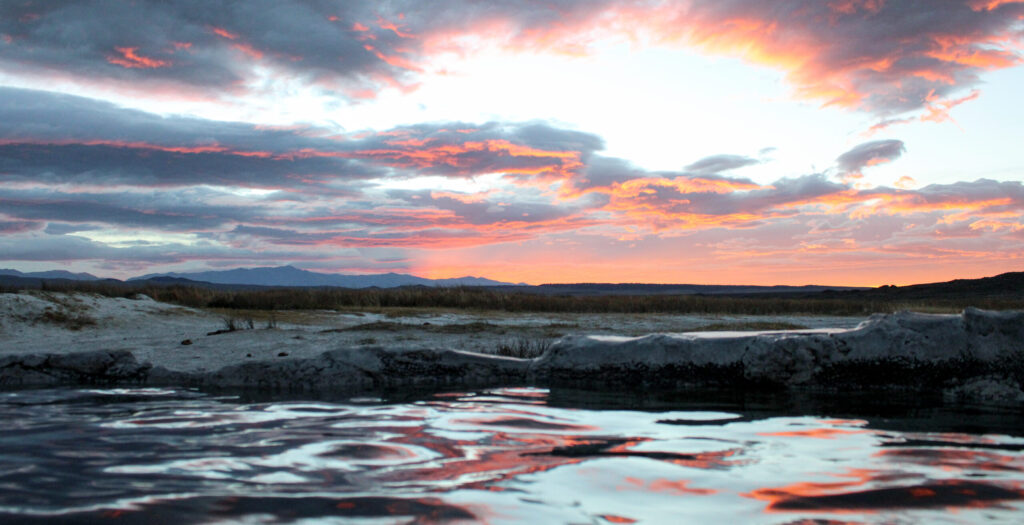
(83, 180)
(889, 59)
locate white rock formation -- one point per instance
(904, 341)
(975, 355)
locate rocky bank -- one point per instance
(976, 356)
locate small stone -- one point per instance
(248, 355)
(282, 354)
(186, 342)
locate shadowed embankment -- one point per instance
(976, 356)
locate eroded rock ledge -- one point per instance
(977, 355)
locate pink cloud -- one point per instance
(130, 58)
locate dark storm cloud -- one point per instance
(870, 154)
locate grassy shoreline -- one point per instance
(490, 299)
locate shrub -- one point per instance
(523, 348)
(69, 320)
(234, 324)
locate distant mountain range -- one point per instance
(1007, 285)
(52, 274)
(292, 276)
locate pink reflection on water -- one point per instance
(816, 433)
(481, 464)
(863, 495)
(955, 460)
(504, 457)
(678, 487)
(612, 518)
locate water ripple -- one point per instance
(501, 456)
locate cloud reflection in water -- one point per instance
(501, 456)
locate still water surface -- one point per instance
(502, 456)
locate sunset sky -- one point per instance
(851, 142)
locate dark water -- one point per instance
(506, 456)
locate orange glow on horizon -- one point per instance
(565, 266)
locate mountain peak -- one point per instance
(289, 275)
(51, 274)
